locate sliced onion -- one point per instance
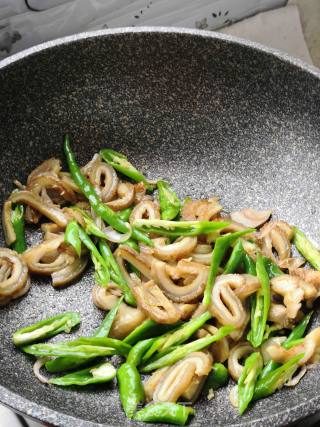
(19, 185)
(116, 237)
(97, 219)
(9, 233)
(264, 348)
(294, 380)
(233, 396)
(311, 366)
(211, 394)
(36, 369)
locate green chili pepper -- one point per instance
(125, 214)
(269, 367)
(90, 226)
(120, 162)
(221, 245)
(66, 363)
(148, 329)
(132, 244)
(46, 328)
(178, 228)
(71, 236)
(160, 355)
(299, 331)
(248, 379)
(156, 345)
(74, 235)
(274, 380)
(106, 213)
(169, 201)
(106, 325)
(270, 330)
(81, 347)
(272, 269)
(235, 258)
(296, 334)
(181, 351)
(185, 331)
(117, 277)
(306, 248)
(134, 270)
(130, 388)
(178, 336)
(101, 373)
(138, 350)
(17, 219)
(294, 343)
(218, 377)
(249, 264)
(166, 412)
(260, 304)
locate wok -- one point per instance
(212, 114)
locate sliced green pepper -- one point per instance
(272, 269)
(46, 328)
(270, 329)
(60, 364)
(104, 211)
(235, 259)
(178, 336)
(90, 227)
(106, 325)
(125, 214)
(221, 245)
(275, 379)
(132, 244)
(156, 345)
(185, 331)
(120, 162)
(217, 378)
(148, 329)
(130, 388)
(260, 304)
(101, 373)
(74, 235)
(181, 351)
(138, 350)
(81, 347)
(249, 264)
(299, 331)
(171, 413)
(248, 379)
(306, 248)
(296, 334)
(169, 201)
(178, 228)
(116, 273)
(71, 236)
(17, 219)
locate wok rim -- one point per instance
(41, 413)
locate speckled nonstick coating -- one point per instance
(214, 115)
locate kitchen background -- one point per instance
(291, 26)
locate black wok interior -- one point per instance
(214, 117)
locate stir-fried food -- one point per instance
(194, 295)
